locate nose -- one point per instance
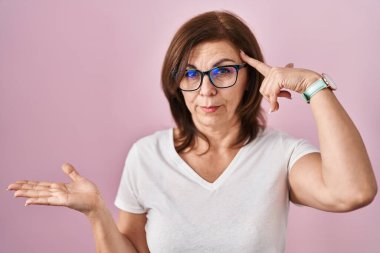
(207, 88)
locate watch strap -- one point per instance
(313, 89)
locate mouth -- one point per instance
(209, 109)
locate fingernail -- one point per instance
(270, 111)
(242, 52)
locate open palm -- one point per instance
(80, 194)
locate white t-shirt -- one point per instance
(244, 210)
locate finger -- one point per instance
(277, 107)
(274, 108)
(289, 65)
(263, 90)
(70, 171)
(32, 194)
(27, 187)
(33, 182)
(260, 66)
(285, 94)
(26, 184)
(273, 103)
(51, 201)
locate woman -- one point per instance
(221, 181)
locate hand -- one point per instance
(80, 194)
(276, 79)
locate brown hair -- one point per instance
(212, 26)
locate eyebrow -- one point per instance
(215, 64)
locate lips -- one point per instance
(209, 109)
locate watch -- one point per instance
(322, 83)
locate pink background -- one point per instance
(80, 82)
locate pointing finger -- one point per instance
(27, 185)
(258, 65)
(32, 182)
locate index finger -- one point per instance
(258, 65)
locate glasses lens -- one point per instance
(191, 80)
(223, 76)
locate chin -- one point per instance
(208, 121)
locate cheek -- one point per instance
(240, 90)
(232, 103)
(189, 100)
(235, 97)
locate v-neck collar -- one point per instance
(186, 168)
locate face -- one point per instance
(210, 106)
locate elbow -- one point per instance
(369, 198)
(361, 200)
(365, 199)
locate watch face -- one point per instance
(328, 80)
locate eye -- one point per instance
(191, 74)
(222, 71)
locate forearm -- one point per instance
(108, 238)
(346, 168)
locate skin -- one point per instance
(339, 179)
(222, 126)
(204, 57)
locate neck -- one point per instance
(220, 138)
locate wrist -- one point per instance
(98, 210)
(311, 80)
(320, 84)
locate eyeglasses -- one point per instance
(220, 77)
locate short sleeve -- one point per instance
(127, 198)
(300, 148)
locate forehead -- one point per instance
(207, 53)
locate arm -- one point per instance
(341, 177)
(108, 238)
(132, 226)
(80, 195)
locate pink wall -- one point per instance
(80, 81)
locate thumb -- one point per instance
(289, 65)
(71, 171)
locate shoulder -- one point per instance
(150, 147)
(153, 141)
(270, 134)
(274, 138)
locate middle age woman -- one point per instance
(220, 181)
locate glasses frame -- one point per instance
(203, 73)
